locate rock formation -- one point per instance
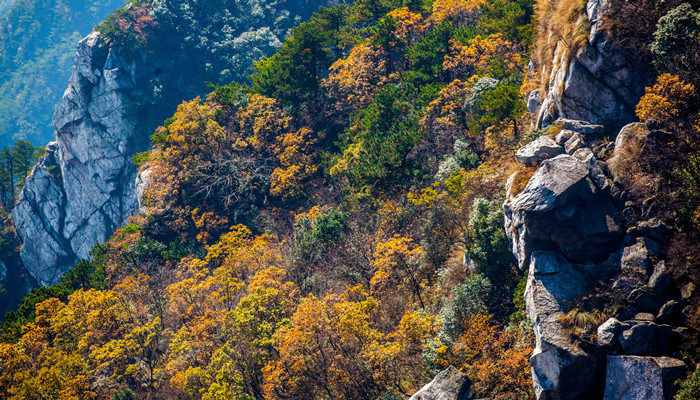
(574, 231)
(449, 384)
(599, 83)
(81, 190)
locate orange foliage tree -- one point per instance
(354, 80)
(667, 100)
(495, 358)
(493, 56)
(461, 11)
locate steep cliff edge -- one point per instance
(79, 192)
(591, 251)
(595, 80)
(608, 320)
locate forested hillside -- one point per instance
(333, 228)
(321, 212)
(5, 5)
(37, 47)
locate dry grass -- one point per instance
(553, 131)
(563, 30)
(640, 183)
(581, 324)
(520, 176)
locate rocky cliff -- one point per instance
(598, 83)
(607, 319)
(81, 189)
(578, 234)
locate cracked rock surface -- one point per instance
(600, 84)
(81, 190)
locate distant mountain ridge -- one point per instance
(37, 47)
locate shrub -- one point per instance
(581, 324)
(488, 246)
(667, 100)
(633, 23)
(128, 28)
(688, 178)
(470, 299)
(676, 46)
(690, 388)
(139, 159)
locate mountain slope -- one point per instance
(377, 205)
(125, 82)
(37, 47)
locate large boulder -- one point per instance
(556, 182)
(629, 144)
(635, 261)
(646, 339)
(538, 150)
(563, 208)
(607, 332)
(582, 127)
(449, 384)
(648, 378)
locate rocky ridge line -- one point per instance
(576, 231)
(600, 84)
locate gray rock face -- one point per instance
(646, 300)
(565, 229)
(635, 261)
(562, 208)
(563, 136)
(77, 196)
(660, 280)
(560, 370)
(541, 149)
(607, 333)
(599, 83)
(449, 384)
(556, 182)
(582, 127)
(646, 339)
(670, 312)
(533, 105)
(143, 181)
(649, 378)
(574, 143)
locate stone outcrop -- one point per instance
(569, 232)
(563, 208)
(143, 180)
(81, 190)
(649, 378)
(449, 384)
(600, 83)
(538, 150)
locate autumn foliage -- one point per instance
(304, 236)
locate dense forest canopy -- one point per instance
(333, 227)
(38, 40)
